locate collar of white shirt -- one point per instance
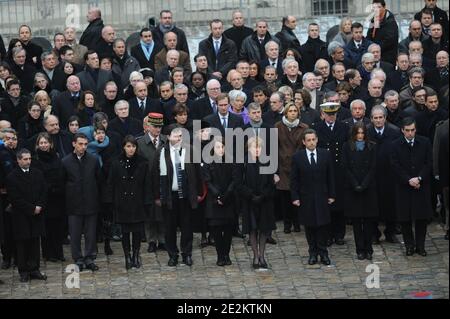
(308, 153)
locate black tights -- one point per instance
(222, 236)
(137, 237)
(258, 241)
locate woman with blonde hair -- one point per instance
(344, 35)
(43, 99)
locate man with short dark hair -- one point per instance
(359, 44)
(313, 49)
(435, 43)
(33, 51)
(27, 193)
(123, 63)
(439, 15)
(146, 50)
(253, 47)
(15, 104)
(93, 78)
(411, 160)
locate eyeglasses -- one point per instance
(214, 89)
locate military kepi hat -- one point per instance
(330, 107)
(156, 119)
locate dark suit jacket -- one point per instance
(225, 60)
(313, 186)
(131, 126)
(139, 55)
(25, 76)
(65, 106)
(201, 109)
(88, 83)
(182, 44)
(265, 63)
(92, 35)
(151, 106)
(234, 121)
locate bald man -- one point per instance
(93, 33)
(104, 47)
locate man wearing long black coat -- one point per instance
(93, 33)
(411, 160)
(27, 192)
(313, 190)
(384, 133)
(82, 176)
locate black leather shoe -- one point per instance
(409, 251)
(312, 260)
(92, 267)
(220, 261)
(107, 248)
(128, 262)
(173, 261)
(391, 239)
(369, 256)
(422, 252)
(38, 275)
(161, 246)
(297, 229)
(361, 256)
(24, 277)
(151, 247)
(255, 264)
(263, 263)
(325, 260)
(187, 260)
(136, 259)
(227, 261)
(80, 266)
(238, 234)
(271, 241)
(6, 264)
(340, 242)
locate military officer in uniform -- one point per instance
(332, 136)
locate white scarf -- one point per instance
(162, 161)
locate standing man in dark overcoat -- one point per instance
(411, 161)
(313, 191)
(27, 193)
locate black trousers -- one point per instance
(179, 215)
(223, 236)
(52, 242)
(28, 254)
(290, 216)
(83, 225)
(8, 246)
(317, 240)
(420, 233)
(338, 224)
(363, 230)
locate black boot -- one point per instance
(128, 262)
(136, 259)
(108, 250)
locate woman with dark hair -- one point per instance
(257, 191)
(302, 100)
(345, 92)
(177, 76)
(149, 79)
(73, 125)
(41, 83)
(290, 132)
(220, 178)
(5, 71)
(292, 53)
(64, 70)
(31, 124)
(87, 107)
(361, 205)
(254, 71)
(129, 190)
(47, 160)
(197, 89)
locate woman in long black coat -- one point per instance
(257, 191)
(129, 190)
(48, 162)
(360, 193)
(220, 178)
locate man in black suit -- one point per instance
(93, 33)
(287, 37)
(238, 32)
(93, 78)
(338, 72)
(146, 50)
(24, 71)
(276, 112)
(224, 119)
(61, 139)
(439, 15)
(124, 124)
(104, 47)
(313, 191)
(27, 192)
(437, 78)
(399, 78)
(358, 110)
(165, 25)
(34, 51)
(273, 59)
(142, 105)
(164, 74)
(387, 67)
(220, 51)
(394, 115)
(384, 133)
(65, 105)
(411, 160)
(314, 48)
(15, 104)
(332, 136)
(207, 105)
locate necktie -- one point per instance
(155, 142)
(179, 173)
(214, 106)
(142, 106)
(313, 159)
(261, 41)
(379, 134)
(224, 122)
(358, 45)
(330, 126)
(411, 144)
(216, 47)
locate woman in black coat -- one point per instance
(48, 162)
(129, 190)
(220, 178)
(258, 192)
(31, 124)
(361, 204)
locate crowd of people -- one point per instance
(95, 139)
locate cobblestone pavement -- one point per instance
(290, 276)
